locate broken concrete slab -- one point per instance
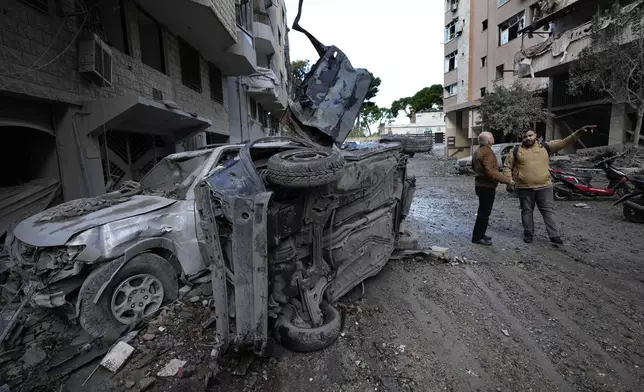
(117, 356)
(171, 368)
(145, 383)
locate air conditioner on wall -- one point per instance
(95, 60)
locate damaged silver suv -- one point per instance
(284, 226)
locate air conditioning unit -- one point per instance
(95, 60)
(454, 7)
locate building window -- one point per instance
(243, 15)
(509, 29)
(190, 66)
(452, 30)
(113, 22)
(451, 90)
(216, 84)
(40, 5)
(452, 5)
(262, 116)
(501, 2)
(484, 23)
(451, 61)
(499, 72)
(483, 91)
(483, 61)
(151, 42)
(253, 108)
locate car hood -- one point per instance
(39, 230)
(327, 102)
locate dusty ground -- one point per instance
(573, 314)
(516, 317)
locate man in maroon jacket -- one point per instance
(487, 178)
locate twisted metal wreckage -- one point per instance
(285, 227)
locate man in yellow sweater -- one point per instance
(529, 166)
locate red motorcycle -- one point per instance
(568, 185)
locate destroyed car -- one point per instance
(283, 226)
(501, 150)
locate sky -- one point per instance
(399, 41)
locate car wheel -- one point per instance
(305, 168)
(137, 290)
(407, 240)
(633, 215)
(308, 340)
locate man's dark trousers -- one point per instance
(486, 201)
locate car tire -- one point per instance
(97, 319)
(306, 340)
(407, 240)
(305, 168)
(633, 215)
(412, 145)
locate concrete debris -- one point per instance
(208, 322)
(506, 332)
(184, 290)
(171, 368)
(145, 383)
(129, 384)
(117, 356)
(33, 356)
(186, 315)
(243, 365)
(148, 336)
(440, 252)
(582, 205)
(194, 299)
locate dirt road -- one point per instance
(517, 318)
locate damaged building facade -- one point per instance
(552, 57)
(96, 92)
(481, 40)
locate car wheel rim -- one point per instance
(305, 156)
(136, 297)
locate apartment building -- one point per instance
(95, 92)
(551, 58)
(422, 122)
(482, 38)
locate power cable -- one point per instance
(32, 68)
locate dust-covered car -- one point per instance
(284, 226)
(501, 150)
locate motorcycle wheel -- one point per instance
(633, 215)
(559, 194)
(623, 191)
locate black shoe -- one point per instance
(556, 241)
(528, 238)
(487, 238)
(483, 241)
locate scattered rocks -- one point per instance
(129, 384)
(148, 337)
(186, 315)
(33, 356)
(184, 290)
(195, 299)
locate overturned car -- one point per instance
(284, 226)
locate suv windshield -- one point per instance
(174, 174)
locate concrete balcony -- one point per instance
(266, 88)
(241, 58)
(553, 11)
(208, 28)
(265, 41)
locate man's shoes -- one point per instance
(556, 241)
(483, 241)
(487, 238)
(528, 238)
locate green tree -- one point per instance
(369, 111)
(512, 109)
(428, 98)
(299, 69)
(613, 63)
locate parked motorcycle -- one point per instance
(634, 202)
(569, 184)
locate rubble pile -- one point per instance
(633, 158)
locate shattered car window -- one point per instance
(174, 174)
